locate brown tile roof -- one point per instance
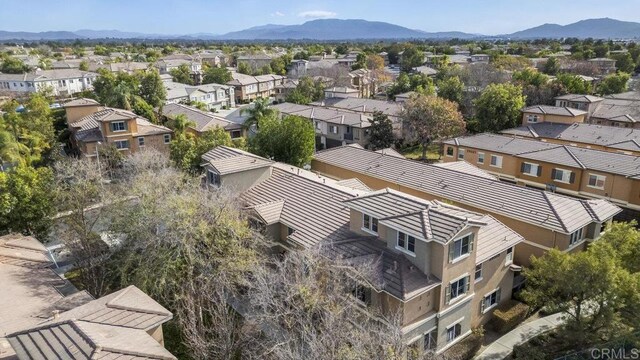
(226, 160)
(553, 110)
(203, 120)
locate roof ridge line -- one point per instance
(574, 157)
(553, 209)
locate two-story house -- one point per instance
(214, 96)
(167, 64)
(546, 220)
(556, 114)
(94, 126)
(60, 81)
(571, 170)
(249, 88)
(203, 121)
(333, 127)
(443, 268)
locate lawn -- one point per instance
(415, 152)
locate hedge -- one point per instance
(467, 347)
(508, 315)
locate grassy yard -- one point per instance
(415, 152)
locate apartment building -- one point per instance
(39, 322)
(617, 110)
(203, 121)
(444, 268)
(333, 127)
(544, 219)
(214, 96)
(249, 88)
(590, 136)
(564, 169)
(167, 64)
(60, 81)
(555, 114)
(93, 126)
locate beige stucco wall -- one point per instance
(496, 274)
(76, 113)
(243, 180)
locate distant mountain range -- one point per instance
(336, 29)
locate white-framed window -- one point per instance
(457, 288)
(461, 154)
(460, 247)
(490, 301)
(430, 340)
(531, 169)
(509, 257)
(453, 332)
(213, 178)
(532, 118)
(167, 138)
(121, 144)
(575, 237)
(317, 125)
(333, 129)
(406, 242)
(118, 126)
(563, 176)
(449, 151)
(596, 181)
(496, 161)
(141, 141)
(480, 158)
(369, 223)
(477, 276)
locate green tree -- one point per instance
(411, 57)
(342, 49)
(530, 76)
(182, 74)
(624, 62)
(552, 66)
(431, 118)
(381, 131)
(573, 84)
(280, 64)
(25, 200)
(244, 68)
(498, 107)
(306, 91)
(84, 65)
(217, 75)
(13, 66)
(613, 84)
(256, 112)
(290, 140)
(152, 89)
(451, 89)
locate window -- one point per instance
(290, 230)
(453, 332)
(480, 158)
(167, 138)
(121, 144)
(430, 340)
(496, 161)
(456, 289)
(596, 181)
(369, 223)
(460, 247)
(564, 176)
(509, 258)
(118, 126)
(213, 178)
(236, 134)
(490, 301)
(333, 129)
(141, 141)
(406, 242)
(460, 154)
(531, 169)
(478, 274)
(362, 294)
(449, 151)
(575, 237)
(532, 118)
(318, 125)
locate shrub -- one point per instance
(508, 315)
(467, 347)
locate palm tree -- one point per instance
(11, 151)
(181, 123)
(259, 111)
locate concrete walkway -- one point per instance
(503, 347)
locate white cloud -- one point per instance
(277, 14)
(317, 14)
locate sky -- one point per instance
(488, 17)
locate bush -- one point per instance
(467, 347)
(508, 315)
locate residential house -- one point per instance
(297, 69)
(284, 89)
(254, 62)
(333, 127)
(341, 92)
(590, 136)
(367, 107)
(249, 88)
(214, 96)
(544, 219)
(364, 82)
(61, 82)
(605, 65)
(442, 267)
(429, 71)
(128, 67)
(94, 126)
(40, 320)
(581, 172)
(203, 120)
(216, 58)
(545, 113)
(195, 66)
(479, 58)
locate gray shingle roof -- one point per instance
(544, 209)
(465, 167)
(228, 160)
(553, 110)
(333, 116)
(203, 120)
(362, 105)
(579, 98)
